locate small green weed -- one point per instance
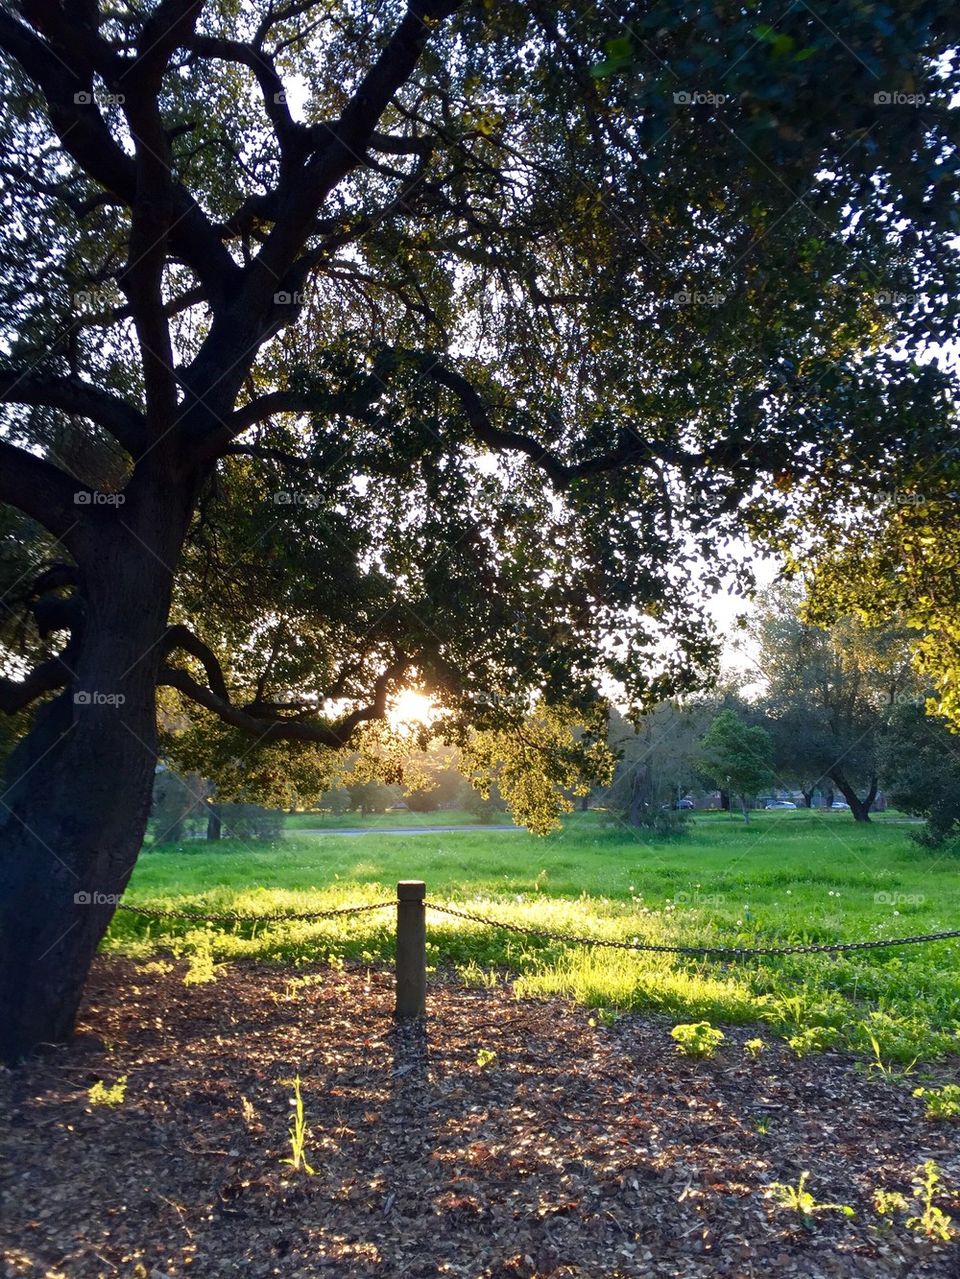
(887, 1202)
(931, 1220)
(754, 1048)
(298, 1133)
(940, 1103)
(103, 1095)
(812, 1039)
(487, 1058)
(799, 1199)
(697, 1039)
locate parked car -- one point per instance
(779, 803)
(838, 803)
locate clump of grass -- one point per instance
(471, 974)
(102, 1094)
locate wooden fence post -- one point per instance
(411, 949)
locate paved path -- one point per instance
(401, 830)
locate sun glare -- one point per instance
(410, 709)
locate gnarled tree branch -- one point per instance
(17, 695)
(263, 725)
(40, 490)
(71, 395)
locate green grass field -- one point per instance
(791, 877)
(380, 821)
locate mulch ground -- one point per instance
(581, 1151)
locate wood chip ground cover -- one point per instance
(579, 1150)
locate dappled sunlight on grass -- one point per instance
(787, 878)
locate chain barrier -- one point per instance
(736, 952)
(234, 917)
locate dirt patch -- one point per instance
(575, 1150)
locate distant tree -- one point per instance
(738, 756)
(829, 694)
(486, 808)
(920, 757)
(371, 797)
(336, 800)
(249, 822)
(175, 799)
(656, 760)
(433, 778)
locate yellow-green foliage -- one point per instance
(931, 1220)
(299, 1132)
(799, 1199)
(534, 765)
(941, 1103)
(697, 1039)
(102, 1094)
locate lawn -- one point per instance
(379, 821)
(791, 877)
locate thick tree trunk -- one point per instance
(807, 798)
(174, 832)
(214, 824)
(860, 808)
(78, 788)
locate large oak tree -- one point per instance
(348, 344)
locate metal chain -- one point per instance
(234, 917)
(736, 951)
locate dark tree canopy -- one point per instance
(348, 345)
